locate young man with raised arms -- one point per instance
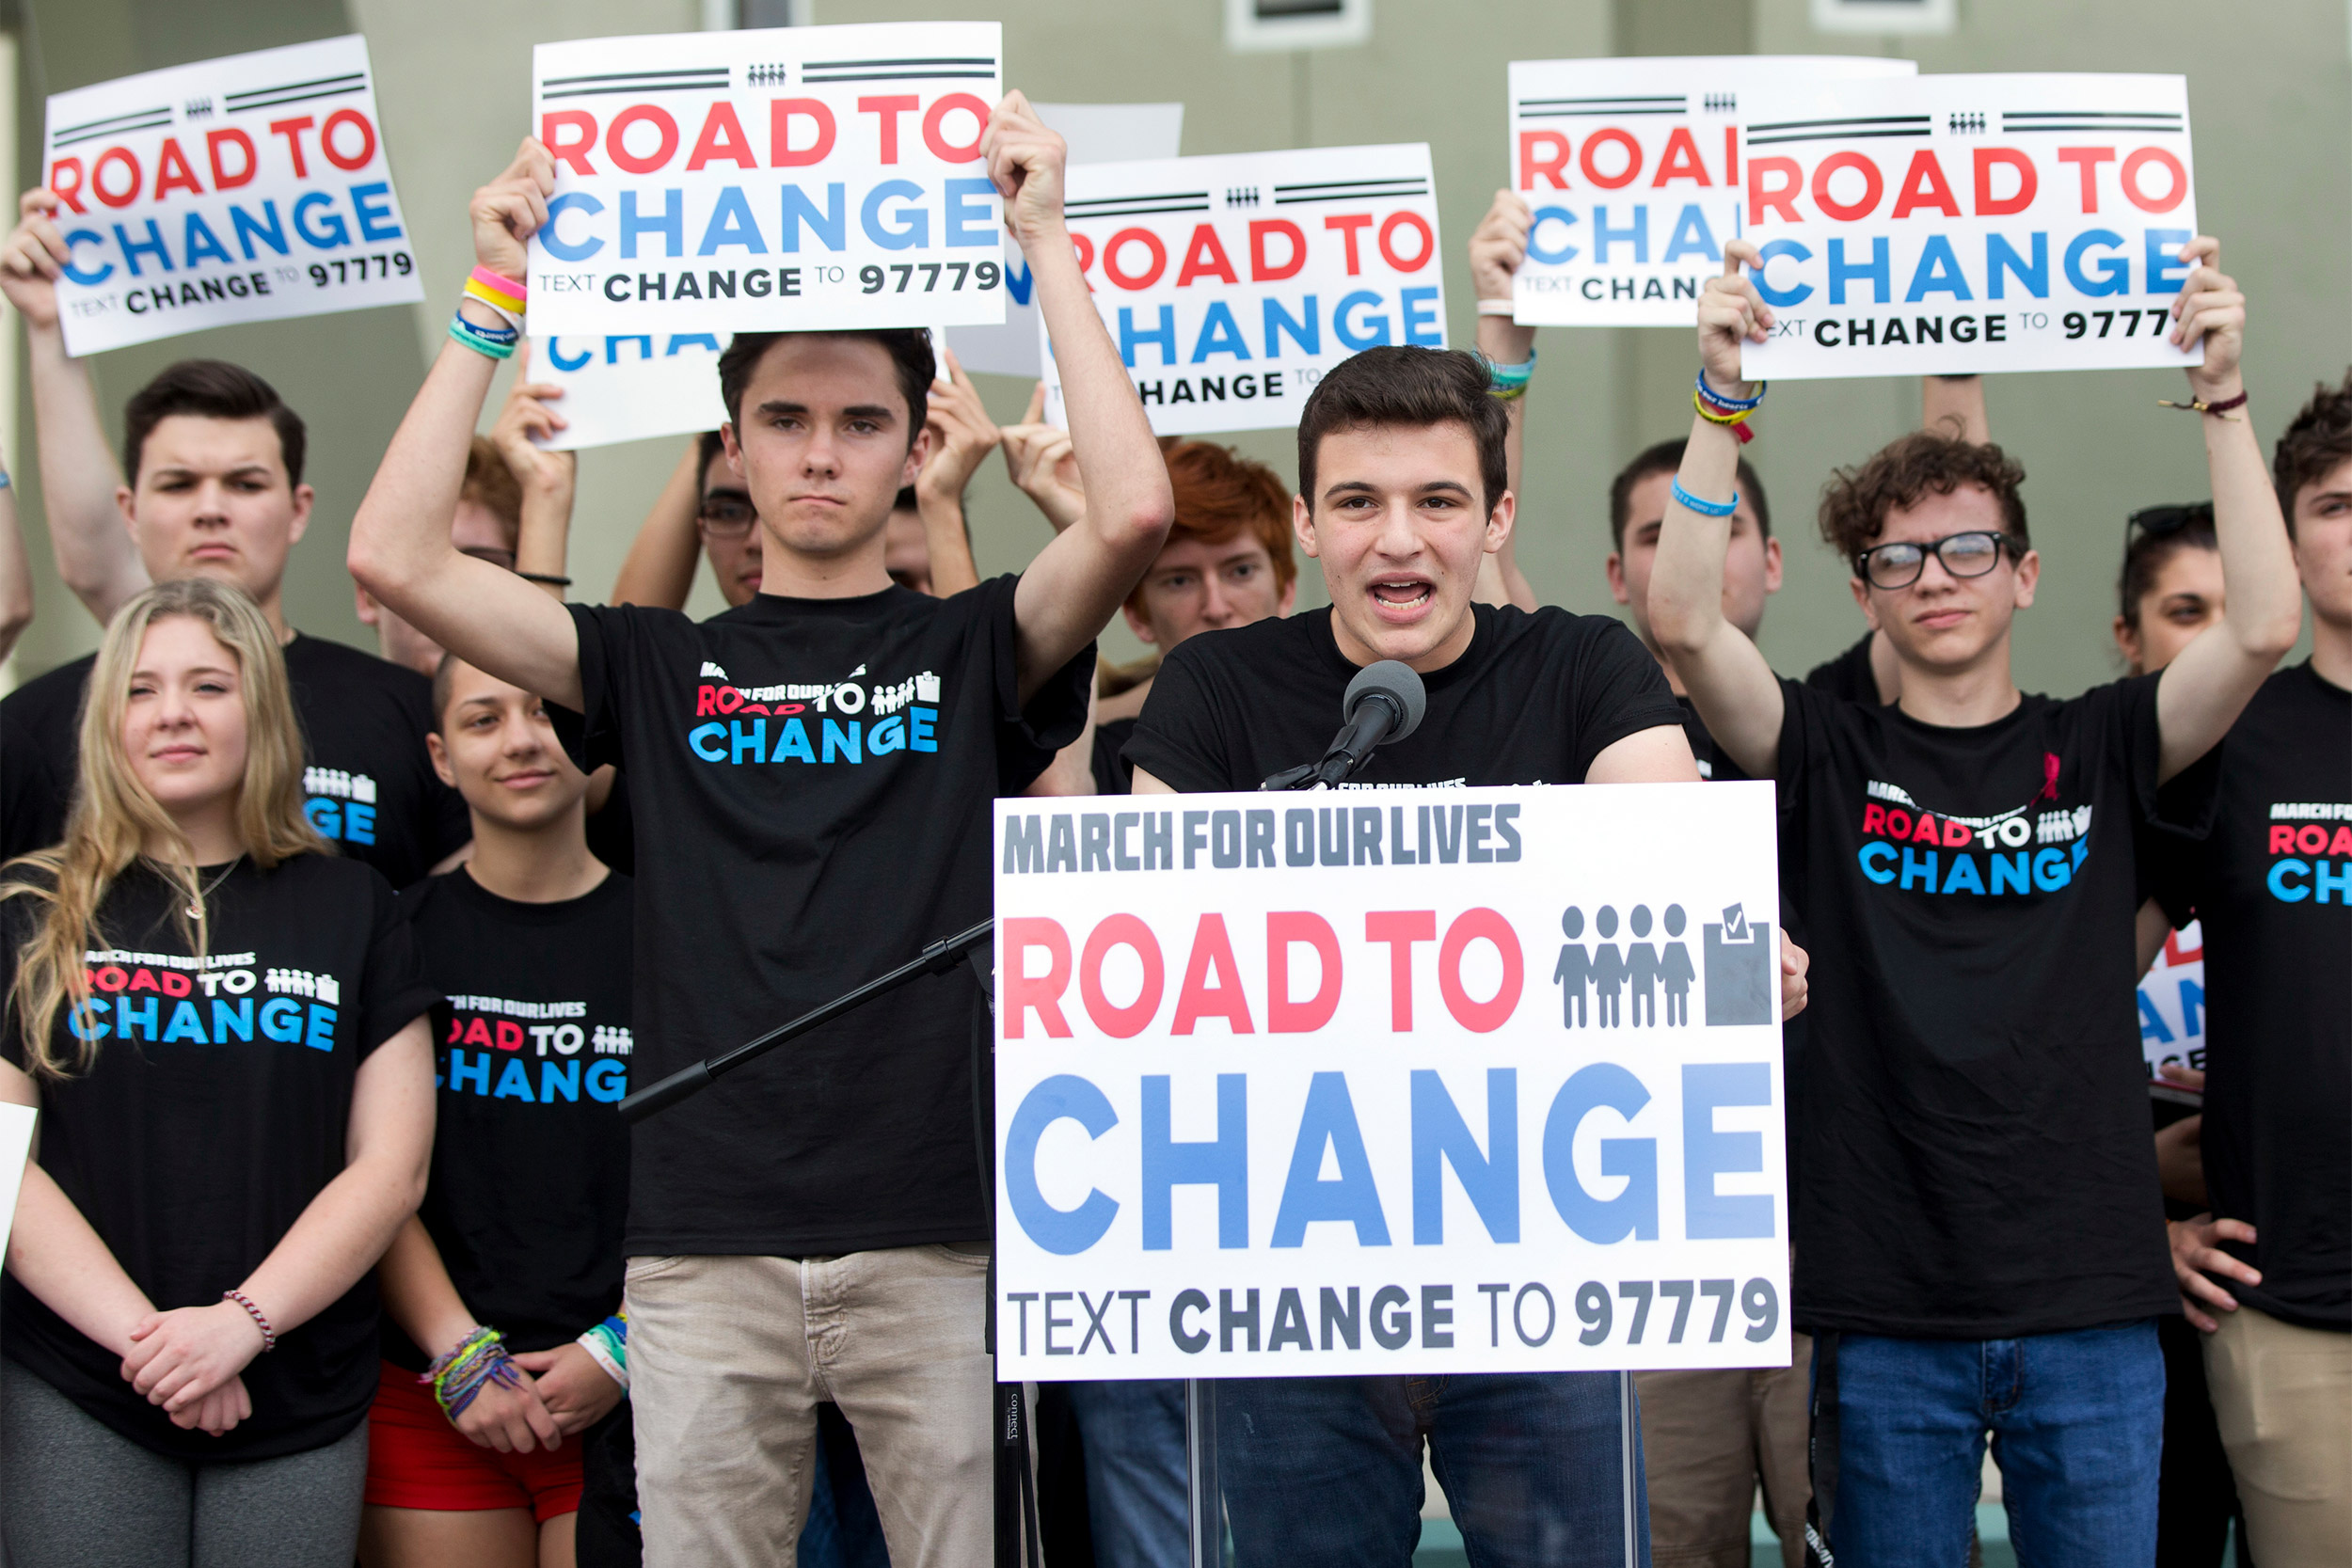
(1978, 1225)
(1402, 496)
(214, 489)
(813, 776)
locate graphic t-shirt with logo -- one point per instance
(216, 1110)
(1969, 1155)
(1532, 700)
(530, 1184)
(369, 786)
(2273, 888)
(811, 782)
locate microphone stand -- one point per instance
(1350, 750)
(938, 958)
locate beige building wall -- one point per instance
(2267, 92)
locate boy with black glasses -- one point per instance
(1976, 1212)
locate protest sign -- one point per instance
(1959, 225)
(787, 179)
(2173, 1003)
(630, 386)
(1097, 134)
(1232, 283)
(243, 189)
(1411, 1080)
(1631, 171)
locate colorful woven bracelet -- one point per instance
(495, 343)
(1705, 507)
(470, 1366)
(608, 1345)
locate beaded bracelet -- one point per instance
(469, 1366)
(269, 1335)
(1705, 507)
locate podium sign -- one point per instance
(1386, 1081)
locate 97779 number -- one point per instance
(1595, 1307)
(982, 276)
(356, 269)
(2078, 321)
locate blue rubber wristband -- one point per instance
(1705, 509)
(1721, 402)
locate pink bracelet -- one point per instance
(269, 1335)
(507, 286)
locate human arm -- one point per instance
(1037, 458)
(1496, 248)
(1954, 405)
(1074, 588)
(180, 1357)
(576, 1391)
(660, 566)
(80, 482)
(549, 480)
(1738, 698)
(2209, 683)
(961, 436)
(16, 576)
(401, 550)
(2197, 1254)
(421, 1299)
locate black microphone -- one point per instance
(1384, 704)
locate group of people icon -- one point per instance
(1639, 969)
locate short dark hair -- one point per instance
(210, 389)
(1667, 458)
(2314, 445)
(2147, 549)
(1394, 385)
(708, 446)
(444, 682)
(1905, 471)
(910, 351)
(907, 500)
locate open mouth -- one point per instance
(1402, 595)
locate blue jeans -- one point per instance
(2077, 1428)
(1133, 1434)
(1327, 1469)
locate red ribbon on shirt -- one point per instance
(2049, 777)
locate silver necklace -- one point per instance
(195, 910)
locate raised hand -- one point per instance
(1039, 459)
(962, 435)
(31, 259)
(1026, 162)
(1498, 245)
(1731, 314)
(509, 210)
(524, 427)
(2210, 310)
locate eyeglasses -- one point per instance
(726, 515)
(1964, 555)
(502, 559)
(2157, 521)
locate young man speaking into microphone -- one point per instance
(1402, 493)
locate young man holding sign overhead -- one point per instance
(1978, 1230)
(1402, 496)
(812, 775)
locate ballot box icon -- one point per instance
(1739, 969)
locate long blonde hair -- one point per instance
(114, 814)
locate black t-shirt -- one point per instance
(32, 806)
(369, 786)
(1714, 762)
(1848, 675)
(1113, 774)
(216, 1110)
(531, 1051)
(2273, 887)
(1532, 700)
(1971, 1157)
(811, 782)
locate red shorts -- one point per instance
(416, 1459)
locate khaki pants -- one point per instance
(729, 1358)
(1709, 1439)
(2282, 1397)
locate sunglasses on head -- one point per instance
(2157, 521)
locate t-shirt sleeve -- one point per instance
(1619, 691)
(1176, 739)
(2180, 809)
(392, 992)
(1028, 734)
(608, 636)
